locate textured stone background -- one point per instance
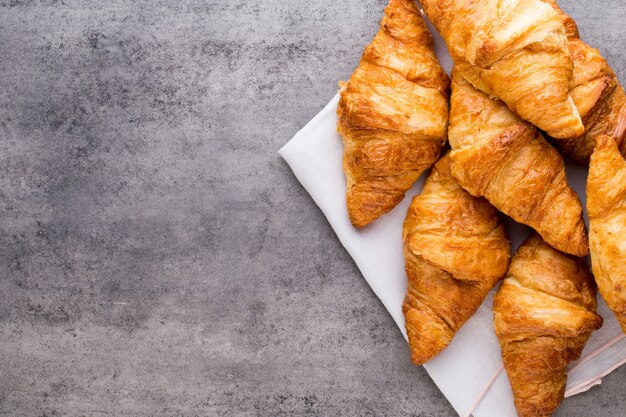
(157, 257)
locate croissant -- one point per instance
(392, 114)
(606, 205)
(611, 120)
(514, 50)
(597, 94)
(498, 156)
(544, 313)
(455, 250)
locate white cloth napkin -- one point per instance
(469, 372)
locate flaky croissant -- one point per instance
(606, 205)
(544, 313)
(455, 250)
(611, 120)
(515, 50)
(599, 97)
(498, 156)
(393, 114)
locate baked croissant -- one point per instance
(611, 120)
(455, 250)
(498, 156)
(515, 50)
(606, 205)
(544, 313)
(393, 114)
(599, 97)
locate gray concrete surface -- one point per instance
(157, 257)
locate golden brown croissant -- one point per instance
(599, 97)
(606, 205)
(544, 313)
(498, 156)
(455, 250)
(393, 114)
(611, 120)
(515, 50)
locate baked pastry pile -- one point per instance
(525, 92)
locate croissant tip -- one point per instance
(360, 224)
(424, 350)
(583, 253)
(576, 246)
(580, 250)
(563, 134)
(361, 218)
(539, 410)
(365, 205)
(603, 141)
(419, 360)
(582, 241)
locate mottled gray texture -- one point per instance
(157, 257)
